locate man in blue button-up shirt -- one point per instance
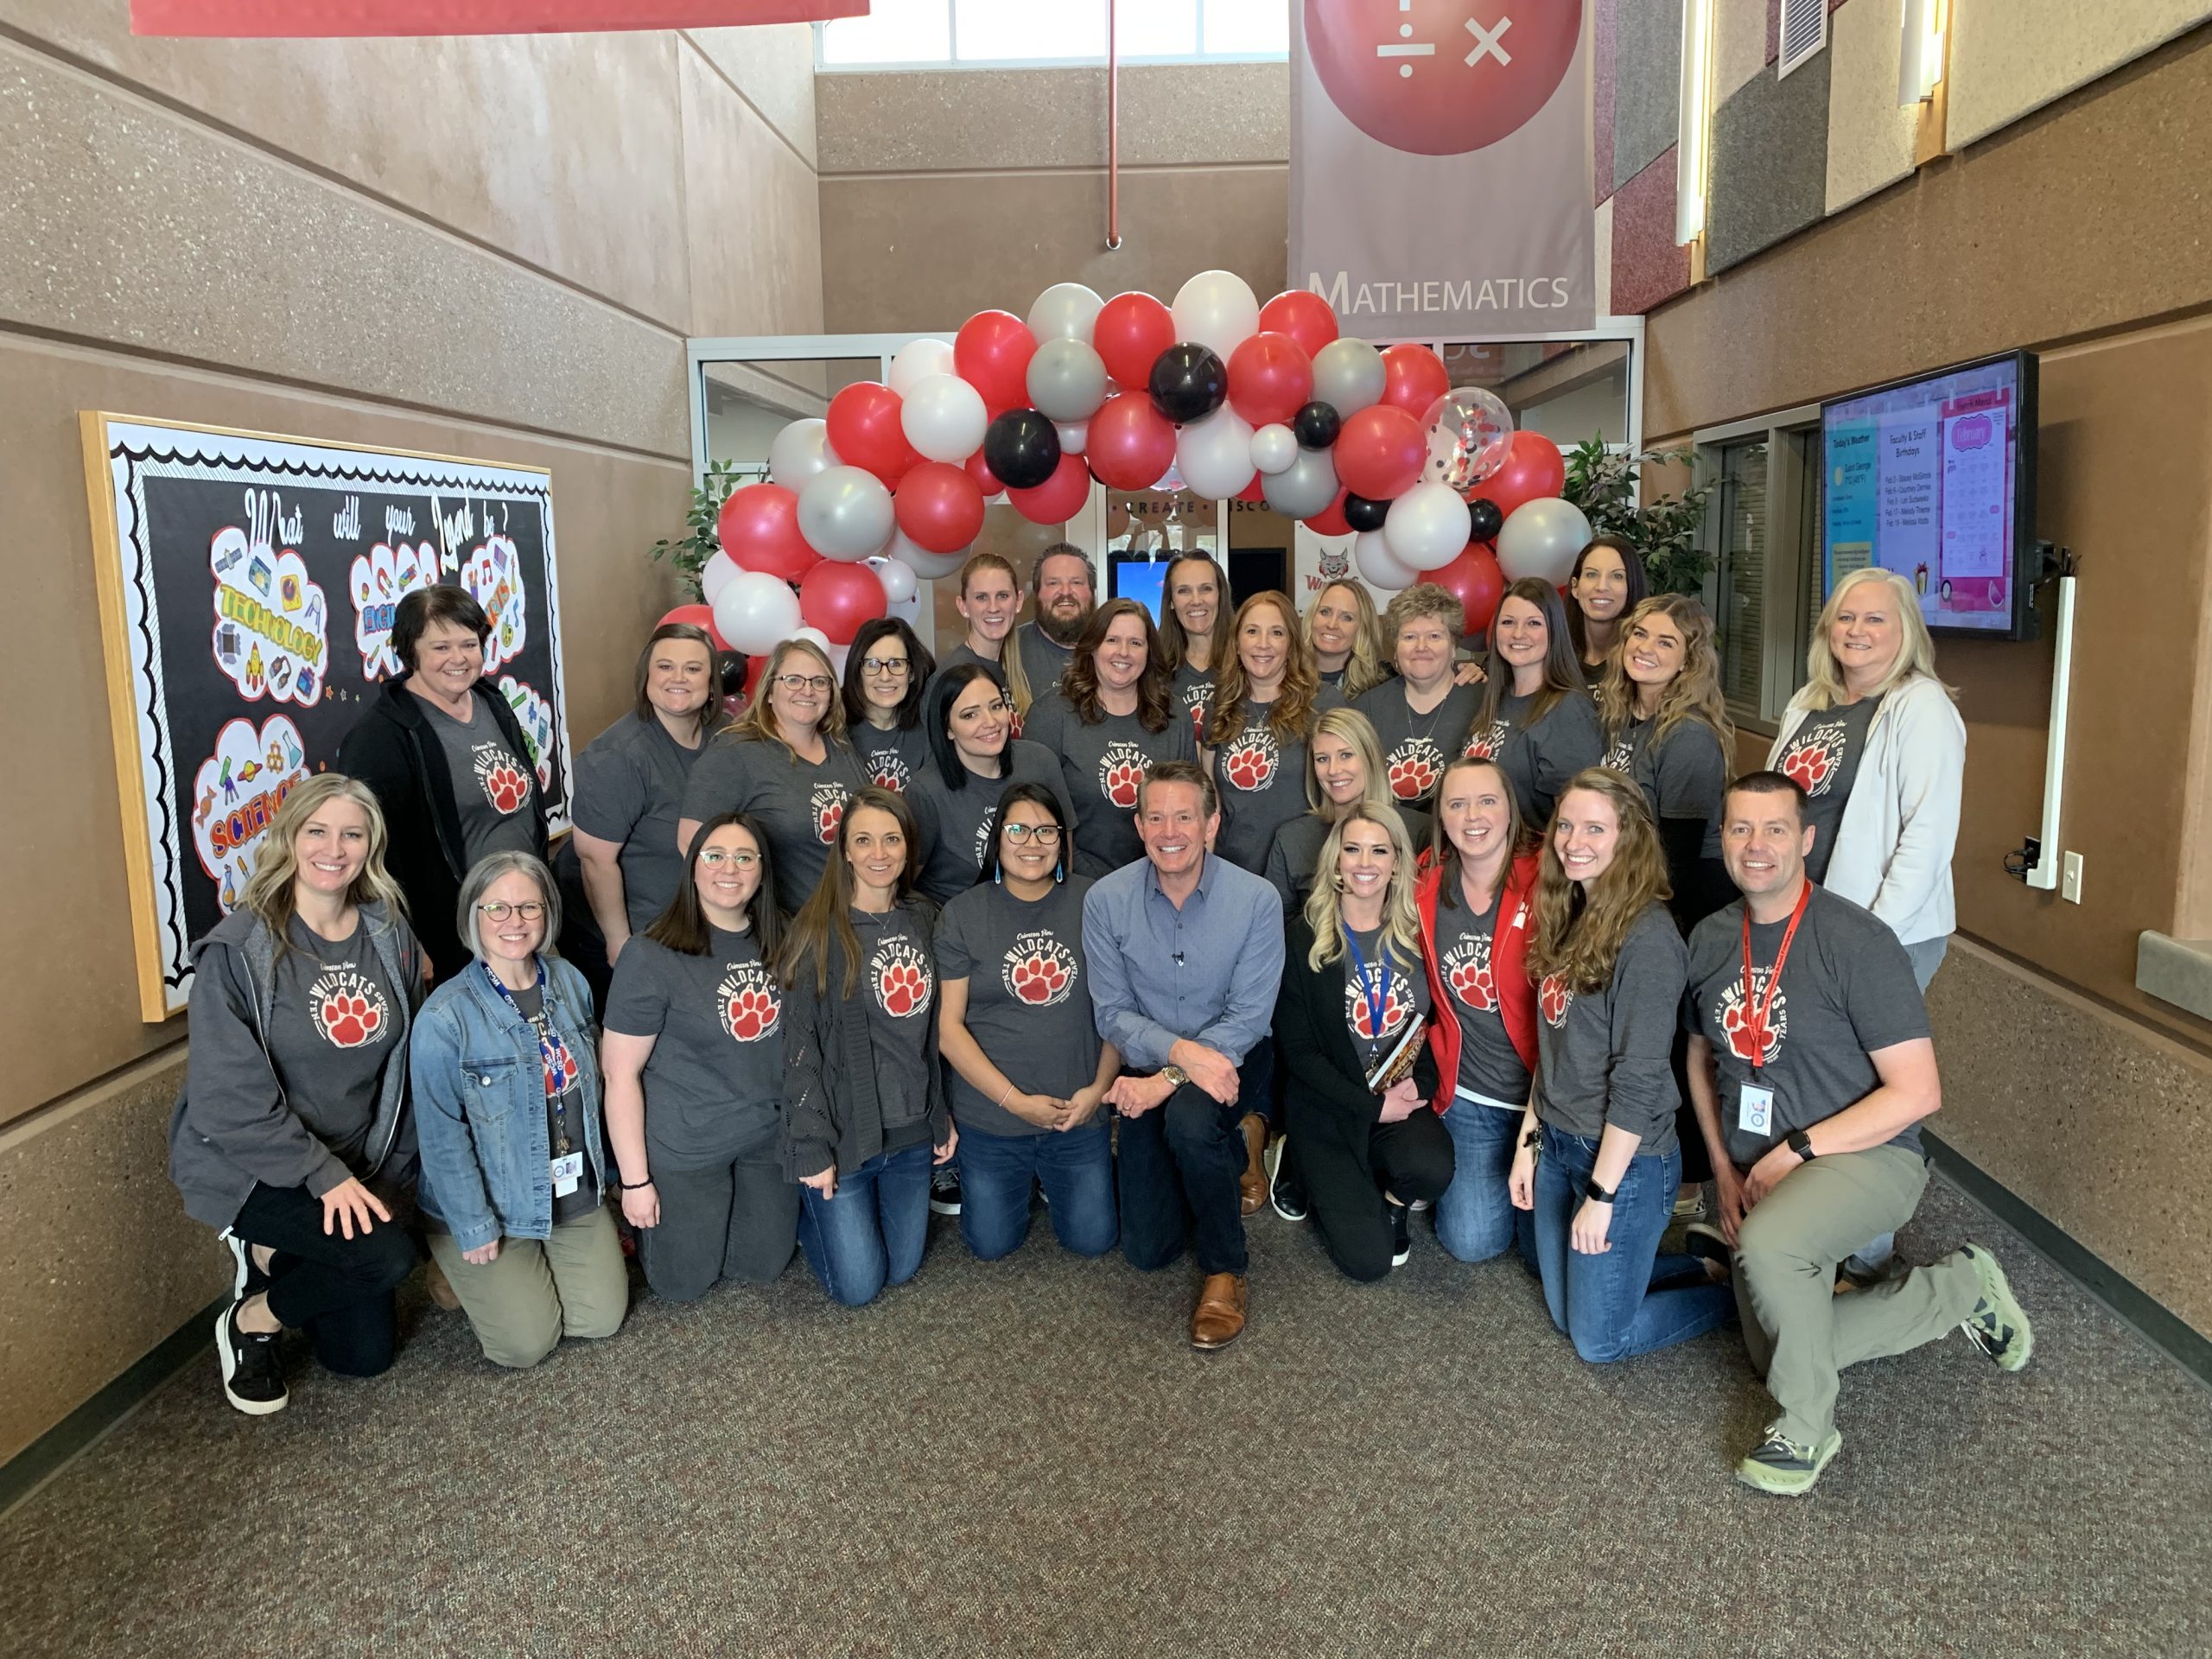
(1185, 955)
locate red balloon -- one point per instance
(939, 506)
(1270, 380)
(1059, 498)
(991, 353)
(865, 432)
(1301, 314)
(1534, 471)
(1476, 582)
(1131, 331)
(1130, 444)
(699, 616)
(1414, 378)
(758, 528)
(837, 597)
(1380, 452)
(1331, 521)
(986, 480)
(1252, 492)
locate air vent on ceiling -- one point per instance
(1804, 32)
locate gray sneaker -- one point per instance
(1785, 1468)
(1998, 1325)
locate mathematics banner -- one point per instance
(1439, 165)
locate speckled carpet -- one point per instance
(1026, 1457)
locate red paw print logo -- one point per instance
(1415, 767)
(902, 979)
(1554, 998)
(828, 803)
(1485, 745)
(1467, 972)
(1039, 971)
(1736, 1022)
(1810, 762)
(750, 1005)
(1198, 723)
(1251, 764)
(559, 1071)
(1120, 774)
(1396, 1007)
(506, 785)
(888, 772)
(348, 1009)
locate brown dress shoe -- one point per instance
(1220, 1313)
(1252, 1185)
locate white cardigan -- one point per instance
(1893, 847)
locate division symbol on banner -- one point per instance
(1441, 77)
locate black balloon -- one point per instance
(1316, 425)
(1021, 448)
(1188, 383)
(1484, 519)
(1363, 514)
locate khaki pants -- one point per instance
(533, 1293)
(1800, 1333)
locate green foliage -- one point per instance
(1665, 531)
(690, 552)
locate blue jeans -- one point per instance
(1076, 1169)
(870, 1235)
(1605, 1302)
(1475, 1218)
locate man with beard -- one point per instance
(1065, 589)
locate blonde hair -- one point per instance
(1292, 711)
(1356, 730)
(757, 722)
(270, 889)
(1325, 905)
(1363, 669)
(1915, 653)
(1174, 643)
(1694, 692)
(1578, 934)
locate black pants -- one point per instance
(1412, 1161)
(739, 1220)
(337, 1289)
(1176, 1169)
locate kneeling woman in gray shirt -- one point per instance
(863, 1093)
(1598, 1162)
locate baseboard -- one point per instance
(2163, 1329)
(31, 1468)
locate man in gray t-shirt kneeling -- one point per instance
(1810, 1067)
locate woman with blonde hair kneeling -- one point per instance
(506, 1096)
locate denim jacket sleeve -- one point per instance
(452, 1180)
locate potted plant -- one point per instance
(1665, 531)
(690, 552)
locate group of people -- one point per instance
(1173, 924)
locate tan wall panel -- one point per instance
(2010, 58)
(129, 225)
(560, 149)
(928, 251)
(70, 1010)
(1870, 138)
(755, 214)
(1738, 45)
(772, 69)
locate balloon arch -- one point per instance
(1216, 393)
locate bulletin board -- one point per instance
(248, 584)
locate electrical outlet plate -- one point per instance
(2070, 880)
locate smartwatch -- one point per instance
(1175, 1074)
(1801, 1143)
(1596, 1193)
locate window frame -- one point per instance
(952, 60)
(1787, 569)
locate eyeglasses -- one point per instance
(713, 858)
(894, 667)
(499, 910)
(1045, 835)
(803, 682)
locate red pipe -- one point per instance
(1112, 133)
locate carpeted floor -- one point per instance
(1026, 1457)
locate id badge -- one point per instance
(568, 1175)
(1754, 1109)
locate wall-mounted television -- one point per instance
(1935, 478)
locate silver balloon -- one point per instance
(1067, 380)
(1215, 454)
(1349, 375)
(1541, 538)
(1379, 565)
(845, 514)
(1304, 487)
(799, 452)
(1273, 447)
(1065, 311)
(1470, 435)
(918, 559)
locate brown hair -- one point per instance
(827, 913)
(1577, 935)
(1639, 585)
(1181, 771)
(1562, 673)
(1440, 847)
(683, 926)
(1693, 693)
(1291, 712)
(1364, 667)
(1175, 644)
(697, 636)
(441, 602)
(757, 722)
(1079, 685)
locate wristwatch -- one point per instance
(1596, 1193)
(1175, 1074)
(1801, 1143)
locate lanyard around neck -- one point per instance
(1756, 1008)
(1376, 998)
(551, 1050)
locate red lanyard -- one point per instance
(1755, 1008)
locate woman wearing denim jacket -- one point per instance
(506, 1099)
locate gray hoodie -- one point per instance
(235, 1123)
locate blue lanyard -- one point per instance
(559, 1068)
(1377, 1000)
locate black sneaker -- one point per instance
(1402, 1234)
(253, 1380)
(945, 1193)
(1285, 1191)
(1783, 1467)
(1708, 1243)
(1997, 1326)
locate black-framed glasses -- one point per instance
(714, 857)
(499, 910)
(803, 682)
(889, 667)
(1045, 835)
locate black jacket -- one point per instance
(393, 751)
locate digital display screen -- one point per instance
(1141, 578)
(1931, 478)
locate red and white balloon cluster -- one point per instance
(1216, 393)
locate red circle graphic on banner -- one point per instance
(1441, 77)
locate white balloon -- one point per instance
(799, 452)
(1373, 555)
(1541, 538)
(815, 636)
(1217, 309)
(837, 655)
(898, 578)
(754, 610)
(916, 361)
(1426, 527)
(716, 574)
(1065, 311)
(845, 514)
(944, 417)
(920, 560)
(1273, 447)
(1215, 454)
(907, 610)
(1073, 435)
